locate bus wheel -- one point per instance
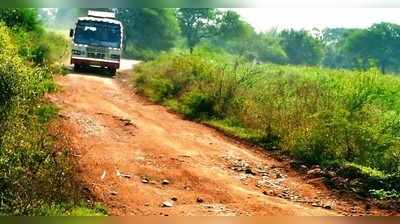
(77, 68)
(112, 71)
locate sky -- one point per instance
(263, 19)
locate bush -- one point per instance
(23, 18)
(34, 174)
(138, 53)
(321, 116)
(196, 104)
(41, 48)
(34, 43)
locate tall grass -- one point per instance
(321, 116)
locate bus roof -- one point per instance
(106, 20)
(101, 14)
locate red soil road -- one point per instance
(117, 133)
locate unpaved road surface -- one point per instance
(139, 159)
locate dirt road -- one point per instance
(140, 159)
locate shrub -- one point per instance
(41, 48)
(33, 173)
(24, 18)
(138, 53)
(196, 104)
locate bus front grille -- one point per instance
(96, 55)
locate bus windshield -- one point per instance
(100, 34)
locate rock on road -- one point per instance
(139, 159)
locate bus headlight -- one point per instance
(76, 52)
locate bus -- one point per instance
(97, 41)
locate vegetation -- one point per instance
(26, 19)
(320, 116)
(285, 90)
(356, 49)
(301, 48)
(152, 31)
(148, 31)
(36, 176)
(378, 45)
(197, 24)
(332, 117)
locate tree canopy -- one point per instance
(24, 18)
(155, 29)
(232, 27)
(301, 47)
(378, 45)
(198, 23)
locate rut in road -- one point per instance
(134, 156)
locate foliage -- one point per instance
(267, 48)
(382, 194)
(34, 44)
(151, 31)
(24, 18)
(148, 30)
(41, 48)
(232, 27)
(301, 48)
(198, 23)
(379, 44)
(320, 116)
(135, 52)
(35, 175)
(72, 210)
(335, 55)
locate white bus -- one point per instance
(97, 41)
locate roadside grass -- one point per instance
(46, 112)
(236, 131)
(72, 210)
(333, 118)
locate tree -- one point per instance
(379, 44)
(234, 34)
(24, 18)
(198, 23)
(301, 47)
(147, 28)
(334, 40)
(232, 27)
(267, 48)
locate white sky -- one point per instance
(263, 19)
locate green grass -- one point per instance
(72, 210)
(382, 194)
(46, 112)
(236, 131)
(317, 115)
(368, 171)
